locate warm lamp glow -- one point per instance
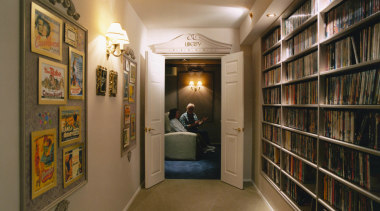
(116, 38)
(199, 84)
(197, 87)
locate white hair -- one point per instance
(190, 105)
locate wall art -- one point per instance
(113, 84)
(73, 165)
(126, 137)
(133, 126)
(127, 114)
(44, 161)
(76, 74)
(52, 82)
(125, 86)
(71, 35)
(133, 72)
(46, 33)
(69, 125)
(101, 80)
(132, 93)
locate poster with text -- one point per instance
(77, 71)
(133, 126)
(44, 161)
(69, 125)
(73, 164)
(52, 82)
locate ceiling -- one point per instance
(192, 13)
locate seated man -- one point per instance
(191, 123)
(176, 126)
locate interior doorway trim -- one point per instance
(192, 45)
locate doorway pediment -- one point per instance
(191, 45)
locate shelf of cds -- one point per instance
(320, 142)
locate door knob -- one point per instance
(238, 129)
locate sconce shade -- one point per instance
(199, 84)
(117, 34)
(191, 83)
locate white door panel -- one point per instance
(232, 119)
(154, 119)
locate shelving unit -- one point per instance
(311, 154)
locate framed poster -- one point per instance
(76, 74)
(44, 161)
(113, 83)
(127, 115)
(101, 81)
(46, 33)
(69, 125)
(133, 126)
(132, 93)
(125, 86)
(133, 72)
(126, 137)
(71, 35)
(52, 82)
(73, 165)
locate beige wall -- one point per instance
(9, 106)
(272, 196)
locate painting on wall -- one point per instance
(71, 35)
(132, 93)
(73, 166)
(44, 161)
(52, 82)
(113, 83)
(125, 86)
(76, 76)
(133, 72)
(101, 81)
(69, 125)
(133, 126)
(127, 114)
(46, 33)
(126, 137)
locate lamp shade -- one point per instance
(116, 33)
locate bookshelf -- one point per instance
(321, 105)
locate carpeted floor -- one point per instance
(206, 167)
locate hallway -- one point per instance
(181, 195)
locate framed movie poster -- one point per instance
(113, 83)
(44, 161)
(76, 74)
(69, 125)
(127, 114)
(132, 93)
(126, 137)
(46, 33)
(133, 126)
(73, 165)
(101, 81)
(71, 35)
(133, 72)
(52, 82)
(125, 85)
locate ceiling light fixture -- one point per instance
(269, 15)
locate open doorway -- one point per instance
(196, 81)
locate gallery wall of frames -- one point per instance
(53, 104)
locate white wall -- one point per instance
(112, 180)
(273, 197)
(9, 106)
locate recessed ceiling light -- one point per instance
(271, 15)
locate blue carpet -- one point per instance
(206, 167)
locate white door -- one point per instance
(232, 119)
(154, 119)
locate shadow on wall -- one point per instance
(142, 117)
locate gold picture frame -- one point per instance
(44, 161)
(132, 72)
(73, 164)
(52, 82)
(101, 80)
(113, 83)
(132, 93)
(46, 33)
(69, 125)
(71, 35)
(76, 74)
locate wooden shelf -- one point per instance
(302, 53)
(350, 29)
(305, 187)
(349, 68)
(350, 106)
(273, 105)
(300, 132)
(325, 204)
(271, 86)
(272, 67)
(271, 162)
(301, 27)
(278, 44)
(301, 105)
(351, 185)
(270, 123)
(271, 142)
(329, 6)
(300, 158)
(306, 78)
(352, 146)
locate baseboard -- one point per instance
(258, 190)
(133, 198)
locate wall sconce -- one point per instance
(197, 87)
(116, 38)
